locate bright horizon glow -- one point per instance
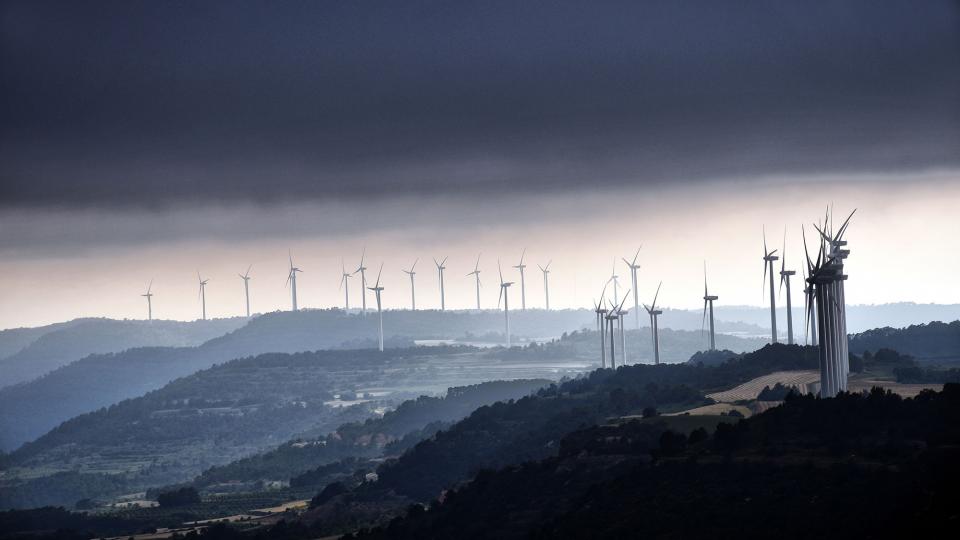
(60, 265)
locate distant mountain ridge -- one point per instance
(57, 345)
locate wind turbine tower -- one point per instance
(440, 269)
(610, 317)
(615, 279)
(523, 282)
(292, 282)
(504, 295)
(618, 314)
(476, 274)
(708, 303)
(377, 289)
(246, 287)
(413, 291)
(809, 309)
(785, 278)
(345, 285)
(149, 297)
(203, 295)
(633, 280)
(768, 258)
(826, 279)
(546, 284)
(601, 311)
(362, 270)
(654, 327)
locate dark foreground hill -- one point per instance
(857, 466)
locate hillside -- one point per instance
(935, 341)
(13, 340)
(247, 405)
(31, 409)
(72, 341)
(366, 439)
(893, 462)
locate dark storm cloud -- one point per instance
(155, 103)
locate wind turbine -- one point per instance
(345, 285)
(504, 285)
(292, 281)
(523, 282)
(413, 291)
(203, 294)
(377, 289)
(708, 302)
(149, 297)
(246, 286)
(617, 315)
(610, 317)
(654, 327)
(476, 274)
(614, 278)
(810, 326)
(633, 266)
(785, 278)
(363, 282)
(768, 258)
(601, 311)
(546, 284)
(440, 269)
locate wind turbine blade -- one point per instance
(150, 286)
(522, 256)
(763, 283)
(637, 254)
(843, 228)
(501, 274)
(477, 266)
(500, 298)
(415, 264)
(703, 321)
(247, 273)
(705, 279)
(783, 254)
(444, 261)
(378, 275)
(548, 264)
(290, 255)
(765, 252)
(654, 305)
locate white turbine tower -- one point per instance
(617, 314)
(362, 270)
(546, 285)
(523, 282)
(504, 285)
(615, 279)
(476, 274)
(292, 282)
(708, 302)
(768, 258)
(377, 289)
(633, 266)
(601, 312)
(203, 295)
(785, 278)
(654, 326)
(345, 286)
(610, 317)
(809, 308)
(413, 291)
(440, 269)
(149, 297)
(246, 287)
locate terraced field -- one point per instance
(751, 389)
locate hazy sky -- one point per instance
(145, 140)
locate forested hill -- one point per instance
(411, 420)
(58, 345)
(801, 470)
(216, 415)
(932, 341)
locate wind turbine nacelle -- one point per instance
(769, 258)
(788, 273)
(711, 298)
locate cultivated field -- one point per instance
(751, 389)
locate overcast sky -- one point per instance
(145, 140)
